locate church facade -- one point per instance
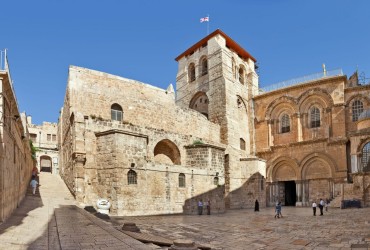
(218, 139)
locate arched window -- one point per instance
(357, 109)
(242, 144)
(365, 157)
(241, 75)
(204, 65)
(116, 112)
(181, 180)
(315, 117)
(131, 177)
(233, 67)
(199, 102)
(215, 181)
(285, 123)
(191, 72)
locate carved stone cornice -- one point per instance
(79, 157)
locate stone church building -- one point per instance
(219, 138)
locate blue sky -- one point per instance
(140, 40)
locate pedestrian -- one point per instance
(281, 215)
(256, 206)
(314, 205)
(33, 184)
(321, 206)
(209, 207)
(200, 207)
(277, 210)
(34, 171)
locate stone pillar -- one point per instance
(271, 138)
(271, 198)
(304, 200)
(298, 185)
(299, 127)
(79, 160)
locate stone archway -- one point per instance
(317, 173)
(46, 164)
(167, 152)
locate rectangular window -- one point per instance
(54, 137)
(33, 137)
(49, 137)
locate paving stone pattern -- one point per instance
(245, 229)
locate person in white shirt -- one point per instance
(321, 206)
(33, 184)
(314, 205)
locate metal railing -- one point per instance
(301, 80)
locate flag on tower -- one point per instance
(204, 19)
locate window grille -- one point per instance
(365, 157)
(49, 137)
(116, 112)
(357, 109)
(191, 72)
(181, 180)
(315, 117)
(204, 67)
(131, 177)
(54, 137)
(285, 124)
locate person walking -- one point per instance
(321, 206)
(314, 205)
(278, 210)
(256, 206)
(200, 207)
(33, 184)
(208, 207)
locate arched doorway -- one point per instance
(166, 152)
(285, 177)
(45, 163)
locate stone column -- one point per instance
(304, 201)
(298, 185)
(299, 127)
(79, 160)
(271, 138)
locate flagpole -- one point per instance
(208, 26)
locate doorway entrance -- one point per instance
(290, 193)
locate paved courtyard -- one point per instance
(246, 229)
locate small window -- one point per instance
(131, 177)
(49, 137)
(262, 184)
(315, 117)
(215, 181)
(33, 137)
(241, 75)
(242, 144)
(204, 66)
(116, 112)
(285, 124)
(365, 157)
(181, 180)
(54, 137)
(357, 109)
(191, 72)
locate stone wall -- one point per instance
(16, 162)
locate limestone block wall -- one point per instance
(16, 162)
(142, 104)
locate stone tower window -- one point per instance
(199, 102)
(315, 117)
(285, 123)
(241, 74)
(204, 66)
(181, 180)
(365, 157)
(233, 68)
(242, 144)
(215, 181)
(191, 72)
(131, 177)
(116, 112)
(357, 109)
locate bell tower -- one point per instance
(217, 78)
